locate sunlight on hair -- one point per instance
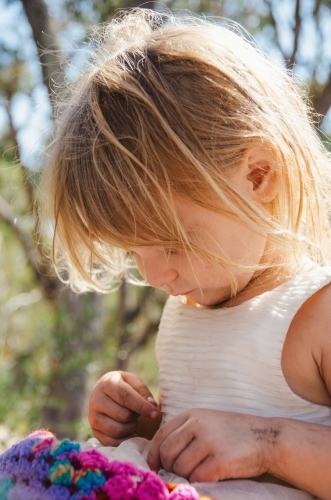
(165, 111)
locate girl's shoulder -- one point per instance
(306, 357)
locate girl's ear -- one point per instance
(257, 176)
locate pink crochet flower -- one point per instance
(93, 459)
(184, 492)
(152, 488)
(122, 468)
(121, 488)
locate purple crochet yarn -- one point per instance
(41, 468)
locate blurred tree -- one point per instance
(311, 33)
(77, 318)
(78, 324)
(296, 33)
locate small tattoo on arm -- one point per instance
(265, 434)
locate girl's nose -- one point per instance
(154, 266)
(158, 276)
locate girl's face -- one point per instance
(208, 283)
(185, 273)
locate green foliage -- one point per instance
(144, 362)
(26, 319)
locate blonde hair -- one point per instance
(166, 110)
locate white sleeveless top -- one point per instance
(230, 359)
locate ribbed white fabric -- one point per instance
(230, 359)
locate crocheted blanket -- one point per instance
(41, 468)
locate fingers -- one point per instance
(113, 428)
(109, 418)
(106, 440)
(116, 402)
(101, 403)
(159, 440)
(146, 405)
(181, 453)
(207, 471)
(209, 445)
(129, 391)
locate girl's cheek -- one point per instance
(139, 264)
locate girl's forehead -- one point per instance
(191, 220)
(192, 214)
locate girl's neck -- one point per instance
(263, 282)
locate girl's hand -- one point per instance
(209, 445)
(116, 402)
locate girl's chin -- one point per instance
(199, 298)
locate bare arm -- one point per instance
(211, 445)
(302, 456)
(303, 450)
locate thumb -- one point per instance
(147, 403)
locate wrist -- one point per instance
(269, 436)
(275, 452)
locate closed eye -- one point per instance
(172, 251)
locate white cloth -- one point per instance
(134, 450)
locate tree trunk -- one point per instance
(321, 101)
(47, 46)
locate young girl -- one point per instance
(185, 150)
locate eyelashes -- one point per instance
(167, 251)
(172, 251)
